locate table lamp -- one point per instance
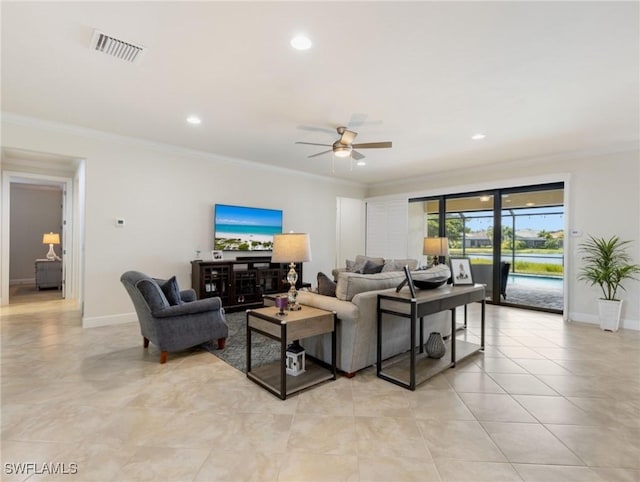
(291, 248)
(436, 247)
(51, 239)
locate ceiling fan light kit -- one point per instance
(342, 151)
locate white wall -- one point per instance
(350, 229)
(604, 200)
(166, 196)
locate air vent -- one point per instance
(120, 49)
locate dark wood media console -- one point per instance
(241, 283)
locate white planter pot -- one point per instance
(609, 312)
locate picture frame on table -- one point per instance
(461, 271)
(216, 255)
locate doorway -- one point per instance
(46, 174)
(36, 233)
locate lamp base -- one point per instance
(51, 255)
(292, 279)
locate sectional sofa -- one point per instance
(355, 303)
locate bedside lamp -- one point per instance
(436, 247)
(291, 248)
(51, 239)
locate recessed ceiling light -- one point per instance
(530, 204)
(361, 163)
(301, 42)
(477, 137)
(194, 119)
(485, 199)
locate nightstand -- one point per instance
(48, 274)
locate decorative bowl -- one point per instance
(429, 284)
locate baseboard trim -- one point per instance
(95, 321)
(22, 281)
(591, 319)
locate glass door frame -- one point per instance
(497, 195)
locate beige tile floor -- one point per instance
(547, 401)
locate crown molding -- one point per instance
(617, 148)
(25, 121)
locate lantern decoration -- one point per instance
(295, 359)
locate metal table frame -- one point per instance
(425, 303)
(277, 329)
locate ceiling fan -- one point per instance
(344, 146)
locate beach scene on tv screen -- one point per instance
(239, 228)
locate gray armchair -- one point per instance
(171, 319)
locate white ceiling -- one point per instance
(538, 78)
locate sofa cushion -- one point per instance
(367, 265)
(326, 286)
(350, 284)
(399, 264)
(374, 266)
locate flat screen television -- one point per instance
(241, 228)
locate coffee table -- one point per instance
(296, 325)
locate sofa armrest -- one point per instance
(193, 307)
(336, 271)
(344, 310)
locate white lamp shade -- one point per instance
(291, 248)
(51, 238)
(436, 247)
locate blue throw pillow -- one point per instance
(371, 267)
(171, 291)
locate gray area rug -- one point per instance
(264, 350)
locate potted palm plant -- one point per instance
(607, 264)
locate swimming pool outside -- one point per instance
(539, 291)
(532, 280)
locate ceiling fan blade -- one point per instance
(357, 120)
(319, 153)
(373, 145)
(313, 144)
(318, 129)
(356, 155)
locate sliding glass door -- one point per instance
(514, 238)
(533, 246)
(469, 229)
